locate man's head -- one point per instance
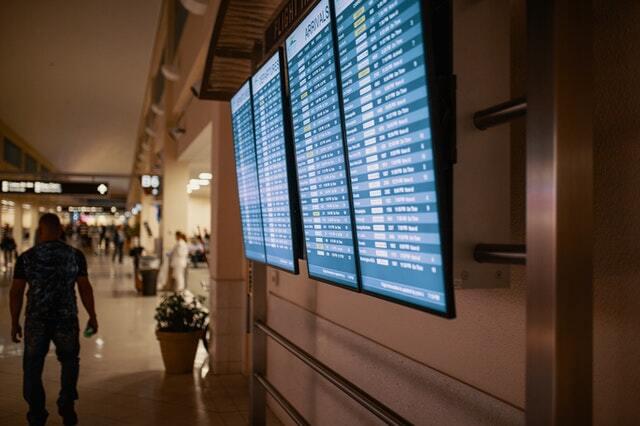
(49, 227)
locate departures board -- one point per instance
(247, 174)
(391, 152)
(319, 147)
(273, 170)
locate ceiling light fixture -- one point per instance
(149, 131)
(177, 132)
(157, 110)
(195, 89)
(205, 175)
(170, 72)
(197, 7)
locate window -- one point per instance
(30, 164)
(12, 153)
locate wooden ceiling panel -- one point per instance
(239, 27)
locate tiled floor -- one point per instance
(122, 381)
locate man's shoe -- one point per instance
(68, 414)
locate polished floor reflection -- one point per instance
(122, 381)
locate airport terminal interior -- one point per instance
(319, 212)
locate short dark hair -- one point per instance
(50, 221)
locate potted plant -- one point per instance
(181, 321)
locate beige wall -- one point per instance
(198, 215)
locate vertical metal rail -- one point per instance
(258, 346)
(559, 213)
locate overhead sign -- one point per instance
(53, 188)
(150, 181)
(284, 21)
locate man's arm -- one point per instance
(86, 295)
(16, 295)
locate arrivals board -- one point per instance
(390, 151)
(275, 195)
(319, 147)
(247, 174)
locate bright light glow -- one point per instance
(26, 206)
(203, 182)
(194, 184)
(114, 209)
(205, 175)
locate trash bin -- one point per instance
(149, 268)
(136, 253)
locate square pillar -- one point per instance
(226, 261)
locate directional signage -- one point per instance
(53, 188)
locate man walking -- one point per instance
(51, 268)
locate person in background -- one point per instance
(179, 259)
(9, 247)
(51, 269)
(108, 237)
(196, 251)
(118, 239)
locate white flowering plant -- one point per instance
(181, 312)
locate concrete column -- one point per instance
(226, 262)
(148, 215)
(174, 194)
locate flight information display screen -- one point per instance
(269, 126)
(390, 151)
(247, 174)
(319, 146)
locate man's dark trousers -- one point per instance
(39, 333)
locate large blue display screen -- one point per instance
(320, 156)
(247, 174)
(390, 151)
(266, 86)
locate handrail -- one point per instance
(365, 400)
(499, 114)
(512, 254)
(280, 399)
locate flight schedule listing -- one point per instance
(319, 146)
(384, 86)
(272, 164)
(247, 174)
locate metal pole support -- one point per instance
(499, 114)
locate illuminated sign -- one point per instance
(53, 188)
(320, 155)
(150, 181)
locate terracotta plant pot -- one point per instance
(178, 350)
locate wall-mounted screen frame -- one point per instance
(276, 169)
(400, 140)
(323, 183)
(247, 174)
